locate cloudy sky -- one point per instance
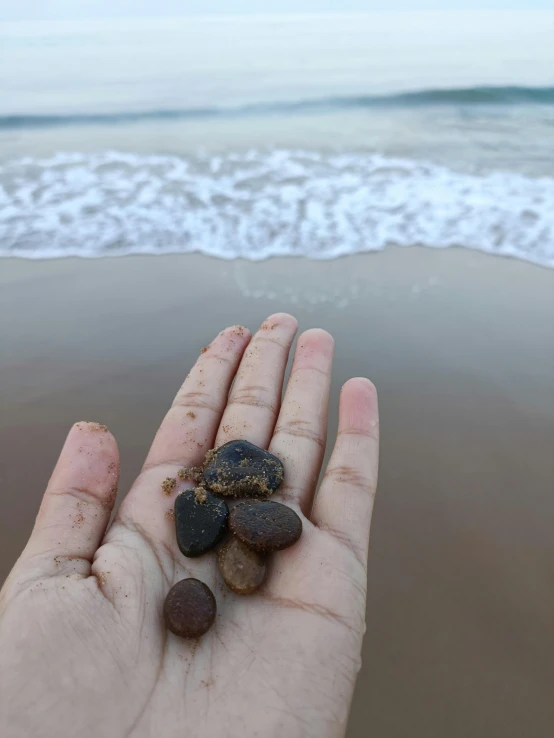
(65, 9)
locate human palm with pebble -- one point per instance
(84, 646)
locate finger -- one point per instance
(301, 431)
(255, 398)
(185, 435)
(344, 502)
(188, 430)
(78, 501)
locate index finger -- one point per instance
(189, 428)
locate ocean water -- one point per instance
(258, 136)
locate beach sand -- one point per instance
(461, 348)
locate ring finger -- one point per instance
(301, 432)
(255, 397)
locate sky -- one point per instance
(76, 9)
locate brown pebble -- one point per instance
(189, 608)
(242, 569)
(265, 526)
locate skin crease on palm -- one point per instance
(83, 647)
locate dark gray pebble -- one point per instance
(240, 469)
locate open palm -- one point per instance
(83, 647)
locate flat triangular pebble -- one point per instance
(200, 521)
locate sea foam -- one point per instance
(256, 205)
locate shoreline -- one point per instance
(461, 348)
(289, 257)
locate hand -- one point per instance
(83, 646)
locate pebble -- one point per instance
(200, 521)
(189, 608)
(242, 569)
(240, 469)
(265, 526)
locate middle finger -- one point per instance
(255, 397)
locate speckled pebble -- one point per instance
(189, 608)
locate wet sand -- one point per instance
(461, 348)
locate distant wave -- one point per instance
(464, 97)
(256, 205)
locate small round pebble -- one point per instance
(265, 526)
(242, 569)
(189, 608)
